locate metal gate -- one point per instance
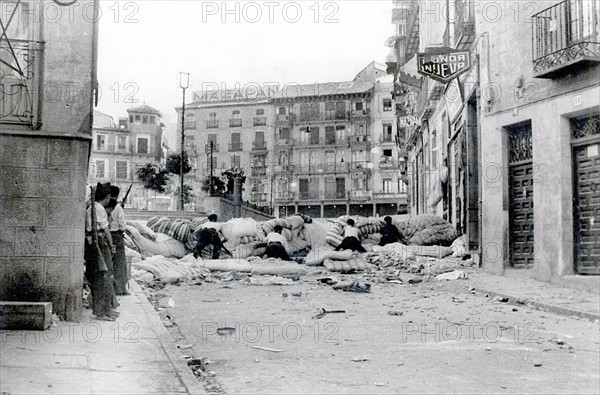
(586, 193)
(521, 225)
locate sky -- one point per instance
(144, 44)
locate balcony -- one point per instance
(234, 147)
(259, 121)
(189, 125)
(386, 140)
(259, 146)
(310, 195)
(387, 163)
(215, 148)
(360, 195)
(283, 197)
(464, 25)
(336, 115)
(333, 168)
(212, 124)
(258, 171)
(565, 38)
(282, 169)
(283, 119)
(235, 123)
(258, 197)
(360, 115)
(20, 69)
(361, 166)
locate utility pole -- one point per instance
(184, 81)
(209, 153)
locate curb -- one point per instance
(184, 373)
(566, 311)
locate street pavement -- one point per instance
(433, 337)
(132, 355)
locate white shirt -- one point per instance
(101, 217)
(117, 219)
(351, 231)
(211, 225)
(275, 237)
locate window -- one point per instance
(401, 186)
(236, 161)
(281, 111)
(101, 142)
(100, 169)
(358, 106)
(284, 133)
(138, 118)
(387, 133)
(330, 135)
(153, 118)
(131, 118)
(387, 104)
(387, 152)
(235, 112)
(144, 119)
(260, 111)
(142, 145)
(340, 188)
(121, 169)
(122, 143)
(387, 185)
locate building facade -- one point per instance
(45, 139)
(508, 150)
(241, 129)
(119, 150)
(540, 139)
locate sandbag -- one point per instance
(181, 230)
(427, 230)
(318, 255)
(315, 233)
(239, 227)
(167, 247)
(356, 264)
(459, 247)
(227, 265)
(335, 234)
(270, 224)
(295, 221)
(277, 268)
(297, 245)
(143, 229)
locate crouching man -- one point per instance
(208, 234)
(277, 245)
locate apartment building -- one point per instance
(240, 127)
(335, 148)
(507, 149)
(120, 149)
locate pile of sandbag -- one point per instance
(369, 230)
(170, 271)
(179, 229)
(245, 237)
(427, 230)
(162, 244)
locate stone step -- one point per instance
(25, 315)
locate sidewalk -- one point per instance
(134, 354)
(541, 295)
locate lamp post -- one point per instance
(209, 151)
(184, 82)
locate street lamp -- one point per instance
(209, 151)
(184, 83)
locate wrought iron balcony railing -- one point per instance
(233, 147)
(21, 73)
(213, 124)
(235, 123)
(464, 24)
(259, 121)
(565, 36)
(259, 145)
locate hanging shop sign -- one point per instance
(443, 66)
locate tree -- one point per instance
(188, 193)
(220, 189)
(153, 177)
(174, 164)
(231, 174)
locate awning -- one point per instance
(410, 67)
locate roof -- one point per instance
(145, 109)
(325, 89)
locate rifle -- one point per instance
(126, 194)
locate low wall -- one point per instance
(146, 215)
(227, 209)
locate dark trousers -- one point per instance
(351, 243)
(209, 237)
(277, 250)
(101, 286)
(119, 263)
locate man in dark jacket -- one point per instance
(389, 233)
